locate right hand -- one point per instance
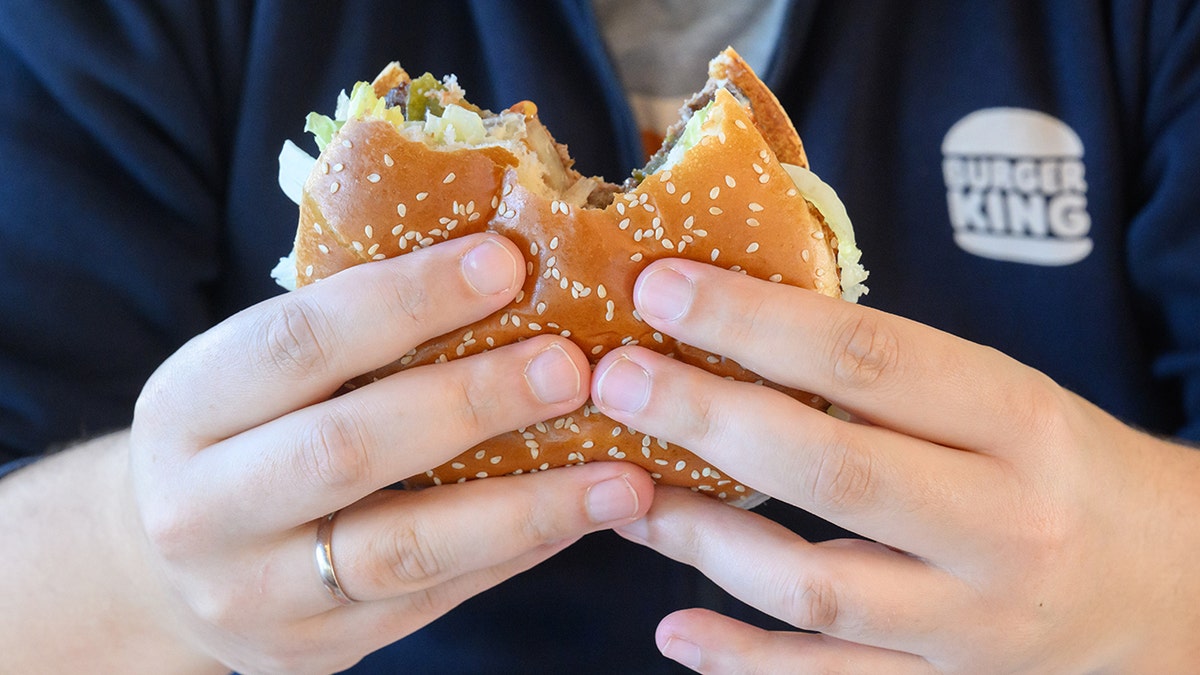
(237, 451)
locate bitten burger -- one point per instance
(406, 163)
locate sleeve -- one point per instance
(110, 204)
(1164, 234)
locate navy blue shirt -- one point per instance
(1022, 174)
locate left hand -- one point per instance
(1014, 526)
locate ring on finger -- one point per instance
(324, 557)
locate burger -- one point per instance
(406, 163)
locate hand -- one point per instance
(1015, 527)
(237, 452)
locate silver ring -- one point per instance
(324, 553)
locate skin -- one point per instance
(185, 544)
(1019, 528)
(1015, 527)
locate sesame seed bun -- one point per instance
(724, 199)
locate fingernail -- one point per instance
(638, 530)
(552, 376)
(682, 652)
(624, 386)
(489, 268)
(609, 500)
(665, 294)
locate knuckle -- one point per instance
(865, 350)
(334, 450)
(843, 476)
(292, 339)
(410, 558)
(474, 405)
(812, 603)
(170, 531)
(410, 299)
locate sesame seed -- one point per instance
(752, 247)
(325, 167)
(308, 271)
(688, 222)
(323, 248)
(551, 261)
(712, 194)
(601, 292)
(533, 248)
(333, 187)
(553, 243)
(700, 233)
(740, 124)
(610, 308)
(596, 350)
(752, 222)
(373, 250)
(757, 167)
(369, 231)
(387, 159)
(670, 187)
(448, 179)
(623, 224)
(818, 235)
(764, 178)
(805, 255)
(338, 167)
(373, 177)
(756, 207)
(729, 181)
(714, 255)
(667, 243)
(421, 196)
(775, 277)
(357, 246)
(562, 282)
(346, 142)
(716, 211)
(541, 308)
(679, 465)
(636, 257)
(687, 197)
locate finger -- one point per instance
(326, 456)
(298, 348)
(397, 543)
(708, 642)
(881, 484)
(885, 369)
(851, 589)
(337, 639)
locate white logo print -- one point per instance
(1015, 187)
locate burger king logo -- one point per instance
(1015, 187)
